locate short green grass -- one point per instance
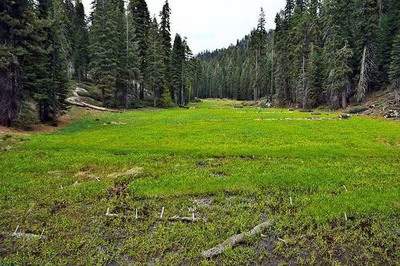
(306, 172)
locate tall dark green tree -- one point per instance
(141, 18)
(80, 43)
(155, 66)
(165, 31)
(394, 70)
(177, 64)
(258, 42)
(52, 80)
(15, 18)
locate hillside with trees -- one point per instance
(322, 52)
(49, 45)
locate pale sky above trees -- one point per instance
(211, 24)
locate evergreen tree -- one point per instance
(177, 64)
(338, 81)
(366, 41)
(394, 71)
(312, 97)
(15, 18)
(80, 43)
(258, 44)
(141, 18)
(108, 48)
(48, 77)
(155, 66)
(165, 31)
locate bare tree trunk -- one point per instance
(397, 96)
(9, 92)
(363, 82)
(344, 99)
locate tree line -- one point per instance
(322, 52)
(128, 55)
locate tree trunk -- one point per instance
(255, 92)
(364, 77)
(344, 99)
(9, 92)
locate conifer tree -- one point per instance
(258, 44)
(165, 31)
(51, 80)
(177, 64)
(141, 18)
(14, 21)
(155, 66)
(394, 71)
(80, 43)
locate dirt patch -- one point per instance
(133, 172)
(58, 206)
(203, 202)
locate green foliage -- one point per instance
(80, 43)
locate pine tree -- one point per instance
(52, 81)
(155, 65)
(132, 70)
(141, 18)
(165, 31)
(80, 43)
(388, 27)
(338, 81)
(394, 71)
(258, 44)
(366, 34)
(108, 48)
(14, 21)
(314, 76)
(177, 64)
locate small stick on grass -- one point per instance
(345, 188)
(162, 213)
(136, 214)
(291, 201)
(282, 240)
(16, 230)
(235, 240)
(16, 234)
(109, 214)
(345, 216)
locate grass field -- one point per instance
(330, 186)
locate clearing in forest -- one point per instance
(112, 187)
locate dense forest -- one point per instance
(322, 52)
(125, 53)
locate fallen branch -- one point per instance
(17, 234)
(235, 240)
(185, 219)
(77, 100)
(109, 214)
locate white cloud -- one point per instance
(212, 24)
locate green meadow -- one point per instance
(330, 186)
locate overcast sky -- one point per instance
(212, 24)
